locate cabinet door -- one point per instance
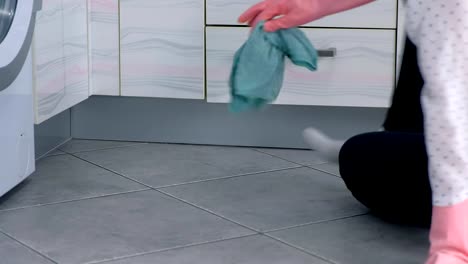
(378, 14)
(103, 19)
(75, 24)
(60, 57)
(49, 65)
(162, 48)
(361, 73)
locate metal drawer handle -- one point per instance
(327, 53)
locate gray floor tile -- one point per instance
(114, 226)
(360, 240)
(80, 145)
(64, 177)
(163, 164)
(304, 157)
(12, 252)
(55, 153)
(249, 250)
(331, 168)
(273, 200)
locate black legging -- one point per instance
(388, 171)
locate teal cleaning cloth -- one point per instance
(258, 69)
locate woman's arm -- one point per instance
(439, 29)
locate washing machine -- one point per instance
(17, 20)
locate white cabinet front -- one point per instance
(103, 19)
(60, 57)
(162, 48)
(361, 73)
(379, 14)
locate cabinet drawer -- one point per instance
(379, 14)
(360, 74)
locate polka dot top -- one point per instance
(439, 28)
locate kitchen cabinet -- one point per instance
(360, 72)
(104, 52)
(60, 57)
(162, 48)
(166, 49)
(379, 14)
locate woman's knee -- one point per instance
(356, 151)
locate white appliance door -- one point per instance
(17, 19)
(7, 13)
(16, 104)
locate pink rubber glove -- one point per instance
(282, 14)
(449, 235)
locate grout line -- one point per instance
(74, 200)
(54, 149)
(303, 165)
(28, 247)
(184, 183)
(209, 211)
(174, 197)
(324, 171)
(314, 254)
(170, 249)
(315, 223)
(159, 189)
(255, 231)
(107, 148)
(227, 177)
(56, 154)
(113, 171)
(273, 155)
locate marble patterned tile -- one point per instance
(162, 48)
(103, 18)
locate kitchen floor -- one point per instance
(134, 203)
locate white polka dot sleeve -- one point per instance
(439, 28)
